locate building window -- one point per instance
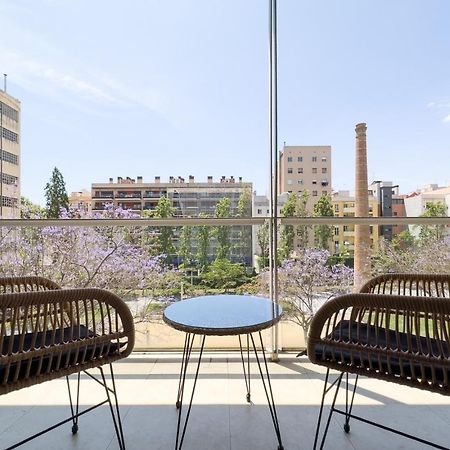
(345, 205)
(289, 158)
(9, 202)
(336, 208)
(289, 181)
(259, 211)
(336, 231)
(300, 159)
(345, 227)
(314, 170)
(9, 179)
(300, 182)
(324, 183)
(314, 159)
(9, 112)
(314, 181)
(371, 229)
(10, 135)
(9, 157)
(324, 170)
(290, 170)
(300, 170)
(324, 193)
(324, 159)
(314, 193)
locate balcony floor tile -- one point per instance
(221, 419)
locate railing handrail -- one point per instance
(196, 221)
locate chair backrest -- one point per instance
(47, 332)
(416, 284)
(9, 285)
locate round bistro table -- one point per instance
(223, 315)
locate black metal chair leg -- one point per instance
(246, 373)
(179, 441)
(319, 419)
(76, 410)
(116, 420)
(348, 408)
(338, 384)
(268, 389)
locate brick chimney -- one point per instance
(362, 232)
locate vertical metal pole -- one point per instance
(270, 158)
(273, 138)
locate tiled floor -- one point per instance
(221, 419)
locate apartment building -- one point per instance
(261, 209)
(9, 156)
(416, 202)
(390, 204)
(189, 197)
(344, 235)
(81, 200)
(305, 168)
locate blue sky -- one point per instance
(179, 87)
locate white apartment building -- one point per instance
(9, 156)
(416, 203)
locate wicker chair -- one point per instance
(47, 332)
(396, 329)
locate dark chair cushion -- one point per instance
(365, 335)
(54, 361)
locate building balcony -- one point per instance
(102, 196)
(147, 381)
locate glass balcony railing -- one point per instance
(153, 262)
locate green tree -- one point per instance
(223, 232)
(222, 274)
(403, 240)
(287, 234)
(203, 241)
(28, 210)
(433, 232)
(56, 195)
(185, 245)
(302, 211)
(262, 237)
(164, 238)
(323, 233)
(244, 209)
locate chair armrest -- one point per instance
(25, 284)
(422, 322)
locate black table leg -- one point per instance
(188, 342)
(184, 363)
(246, 373)
(268, 389)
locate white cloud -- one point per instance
(440, 105)
(27, 71)
(446, 119)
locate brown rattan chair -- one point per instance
(47, 332)
(397, 329)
